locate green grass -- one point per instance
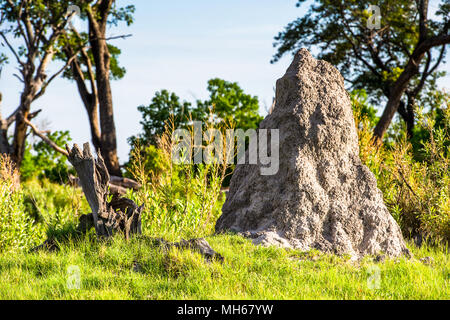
(107, 269)
(248, 272)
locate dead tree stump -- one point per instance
(118, 215)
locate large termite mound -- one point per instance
(322, 196)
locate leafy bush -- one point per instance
(17, 229)
(183, 200)
(150, 158)
(56, 208)
(415, 186)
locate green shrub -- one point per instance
(55, 207)
(415, 181)
(150, 159)
(180, 200)
(17, 229)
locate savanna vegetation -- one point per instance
(410, 157)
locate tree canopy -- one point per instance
(227, 102)
(393, 63)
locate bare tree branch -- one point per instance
(439, 60)
(46, 83)
(45, 138)
(11, 48)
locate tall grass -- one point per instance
(180, 199)
(56, 208)
(416, 191)
(17, 229)
(35, 210)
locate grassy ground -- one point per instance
(137, 270)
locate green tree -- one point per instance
(163, 106)
(93, 62)
(227, 102)
(42, 34)
(35, 26)
(393, 63)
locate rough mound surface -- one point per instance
(322, 197)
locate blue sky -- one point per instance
(176, 45)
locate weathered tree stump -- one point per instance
(118, 215)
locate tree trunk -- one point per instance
(407, 114)
(395, 95)
(90, 99)
(34, 80)
(20, 130)
(97, 39)
(119, 215)
(4, 144)
(400, 86)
